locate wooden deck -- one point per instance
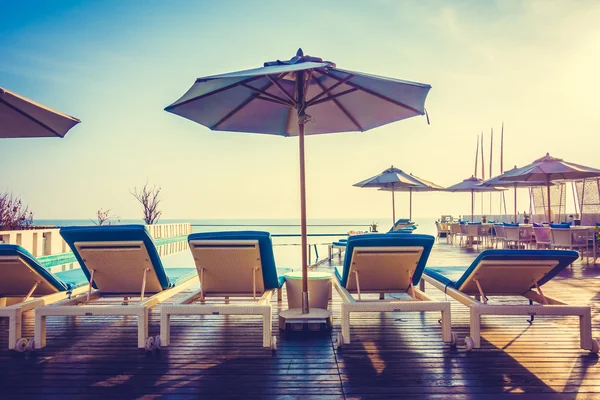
(394, 355)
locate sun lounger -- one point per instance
(123, 266)
(25, 284)
(403, 223)
(237, 277)
(383, 264)
(510, 273)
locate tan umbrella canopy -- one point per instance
(422, 185)
(21, 117)
(472, 185)
(548, 169)
(498, 182)
(392, 179)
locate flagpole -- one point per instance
(491, 155)
(482, 171)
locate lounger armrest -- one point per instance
(342, 291)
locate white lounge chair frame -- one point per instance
(505, 278)
(13, 307)
(226, 268)
(386, 269)
(125, 268)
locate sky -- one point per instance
(115, 65)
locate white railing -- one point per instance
(47, 241)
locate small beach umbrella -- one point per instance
(472, 185)
(302, 96)
(423, 186)
(393, 179)
(548, 169)
(21, 117)
(498, 181)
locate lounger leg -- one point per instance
(345, 324)
(422, 285)
(142, 328)
(40, 330)
(585, 330)
(475, 327)
(446, 323)
(280, 294)
(165, 328)
(14, 329)
(267, 326)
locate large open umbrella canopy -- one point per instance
(472, 185)
(391, 178)
(302, 96)
(548, 169)
(21, 117)
(422, 186)
(498, 181)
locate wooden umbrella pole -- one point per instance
(549, 208)
(472, 204)
(410, 204)
(393, 209)
(304, 241)
(515, 220)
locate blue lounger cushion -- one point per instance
(339, 243)
(270, 276)
(61, 281)
(121, 233)
(455, 276)
(380, 240)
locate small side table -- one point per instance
(319, 293)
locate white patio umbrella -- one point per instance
(423, 186)
(302, 96)
(393, 179)
(548, 169)
(472, 185)
(21, 117)
(498, 182)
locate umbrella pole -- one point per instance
(549, 208)
(515, 220)
(410, 204)
(305, 308)
(472, 205)
(393, 210)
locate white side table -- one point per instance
(319, 293)
(319, 289)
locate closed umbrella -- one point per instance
(548, 169)
(498, 182)
(472, 185)
(423, 186)
(393, 179)
(21, 117)
(302, 96)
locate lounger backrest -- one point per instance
(228, 266)
(385, 263)
(229, 259)
(20, 271)
(119, 255)
(513, 272)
